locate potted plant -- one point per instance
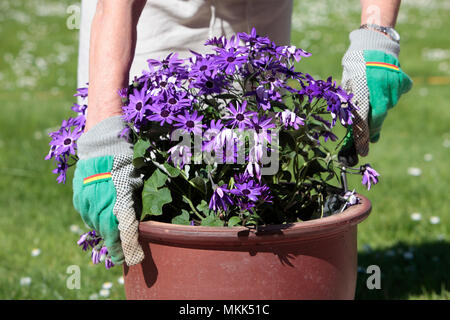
(245, 196)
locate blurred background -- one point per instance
(407, 235)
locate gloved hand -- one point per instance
(372, 73)
(106, 189)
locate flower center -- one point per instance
(165, 113)
(209, 84)
(240, 117)
(139, 106)
(203, 68)
(245, 192)
(190, 124)
(163, 84)
(231, 59)
(172, 101)
(67, 141)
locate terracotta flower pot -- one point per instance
(315, 259)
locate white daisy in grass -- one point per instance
(104, 293)
(107, 285)
(416, 216)
(423, 92)
(25, 281)
(37, 135)
(35, 252)
(93, 296)
(428, 157)
(446, 143)
(414, 171)
(75, 229)
(435, 220)
(120, 280)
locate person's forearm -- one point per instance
(381, 12)
(112, 46)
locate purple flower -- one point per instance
(180, 155)
(247, 190)
(369, 176)
(175, 101)
(82, 92)
(211, 135)
(313, 90)
(79, 109)
(220, 199)
(351, 198)
(138, 105)
(292, 52)
(218, 42)
(108, 263)
(89, 240)
(161, 114)
(190, 122)
(229, 60)
(290, 119)
(264, 96)
(253, 39)
(328, 135)
(64, 141)
(123, 93)
(95, 256)
(262, 126)
(61, 169)
(210, 85)
(239, 116)
(203, 67)
(83, 241)
(171, 63)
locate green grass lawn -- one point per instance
(38, 58)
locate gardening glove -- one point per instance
(371, 71)
(106, 189)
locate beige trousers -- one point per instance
(179, 25)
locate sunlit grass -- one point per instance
(36, 213)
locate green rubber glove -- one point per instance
(371, 71)
(106, 189)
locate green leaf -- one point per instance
(156, 180)
(203, 207)
(212, 221)
(183, 218)
(154, 200)
(234, 221)
(139, 162)
(319, 153)
(199, 183)
(140, 148)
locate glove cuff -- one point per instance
(103, 140)
(363, 39)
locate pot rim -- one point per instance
(184, 235)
